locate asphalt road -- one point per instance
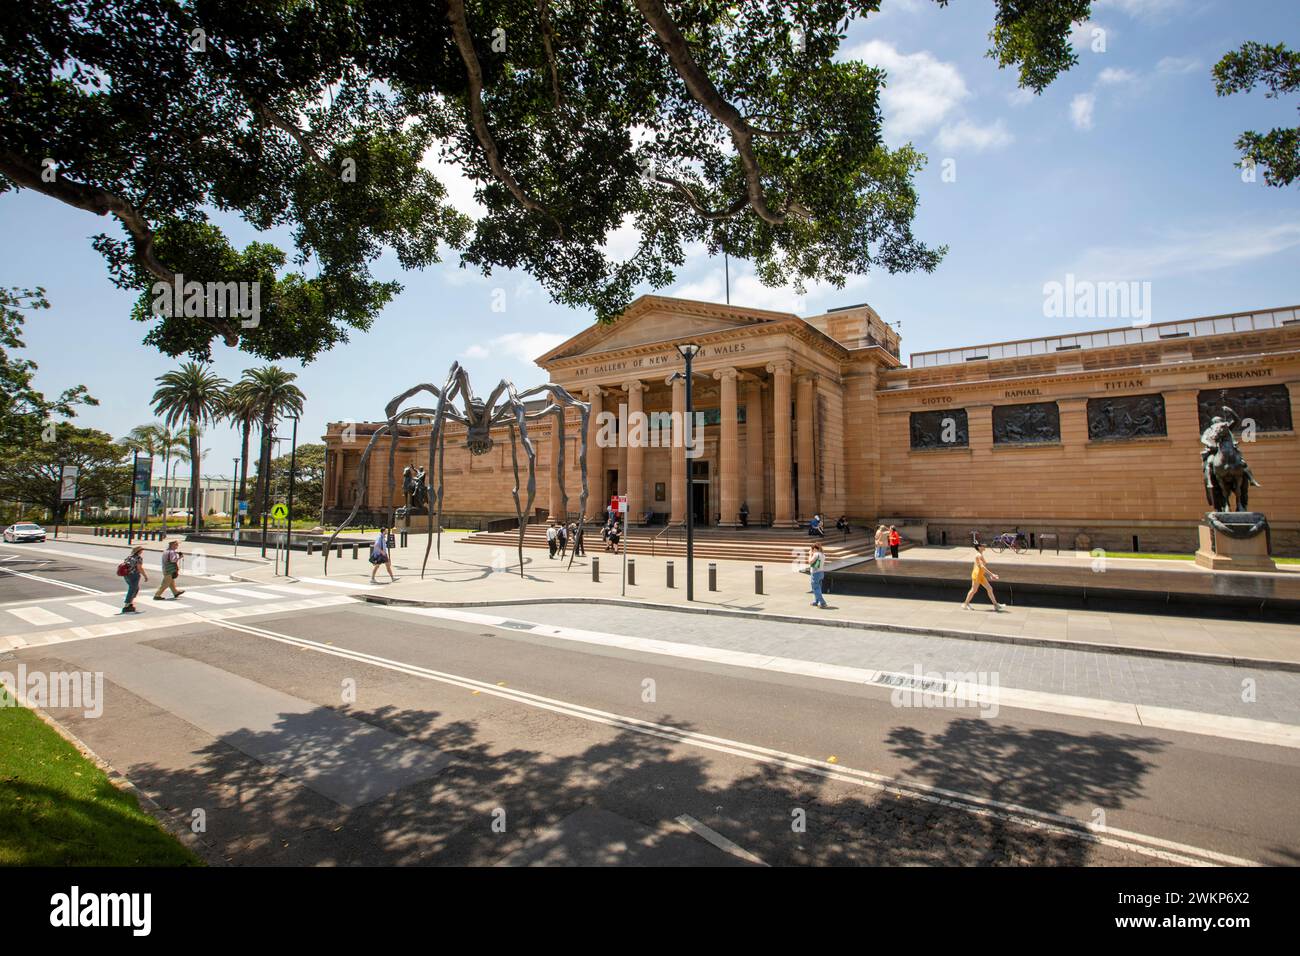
(37, 571)
(357, 734)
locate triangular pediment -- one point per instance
(654, 319)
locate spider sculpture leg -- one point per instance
(561, 400)
(363, 468)
(519, 511)
(456, 381)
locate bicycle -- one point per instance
(1016, 541)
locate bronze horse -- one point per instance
(1227, 476)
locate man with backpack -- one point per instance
(171, 569)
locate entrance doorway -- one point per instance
(611, 486)
(700, 492)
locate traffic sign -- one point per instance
(280, 512)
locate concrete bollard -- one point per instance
(595, 569)
(713, 576)
(670, 575)
(631, 570)
(758, 579)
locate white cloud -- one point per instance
(920, 90)
(967, 135)
(1021, 96)
(460, 188)
(1184, 252)
(1178, 64)
(1142, 9)
(622, 243)
(1116, 76)
(524, 347)
(1083, 35)
(748, 291)
(1081, 108)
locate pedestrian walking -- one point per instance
(816, 563)
(132, 569)
(895, 541)
(562, 533)
(979, 578)
(171, 570)
(551, 543)
(381, 557)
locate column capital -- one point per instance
(634, 385)
(806, 375)
(677, 382)
(726, 373)
(782, 366)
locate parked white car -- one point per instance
(24, 531)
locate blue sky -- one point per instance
(1122, 169)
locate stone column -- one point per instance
(677, 492)
(635, 439)
(783, 508)
(595, 458)
(556, 515)
(729, 451)
(755, 493)
(804, 401)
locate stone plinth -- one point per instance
(1223, 552)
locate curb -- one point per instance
(1196, 657)
(122, 543)
(164, 817)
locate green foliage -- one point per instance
(30, 473)
(1278, 70)
(730, 124)
(193, 396)
(309, 481)
(24, 410)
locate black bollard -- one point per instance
(339, 553)
(713, 576)
(670, 574)
(354, 550)
(311, 547)
(758, 579)
(595, 569)
(631, 570)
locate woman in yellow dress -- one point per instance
(979, 577)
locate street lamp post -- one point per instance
(234, 485)
(293, 461)
(688, 351)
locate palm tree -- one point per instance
(157, 440)
(271, 391)
(193, 395)
(243, 409)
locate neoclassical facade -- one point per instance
(1090, 434)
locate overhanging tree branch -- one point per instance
(474, 77)
(731, 212)
(706, 94)
(280, 123)
(101, 202)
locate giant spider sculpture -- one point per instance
(479, 418)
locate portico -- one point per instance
(768, 400)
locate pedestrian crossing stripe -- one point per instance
(38, 616)
(209, 598)
(132, 623)
(97, 607)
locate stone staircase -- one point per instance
(750, 544)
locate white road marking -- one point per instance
(241, 592)
(974, 695)
(62, 584)
(98, 608)
(205, 597)
(144, 621)
(1155, 847)
(37, 615)
(717, 839)
(289, 589)
(350, 585)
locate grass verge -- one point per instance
(59, 809)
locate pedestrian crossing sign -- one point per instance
(280, 512)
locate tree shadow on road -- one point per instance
(492, 802)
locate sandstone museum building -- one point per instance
(1093, 436)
